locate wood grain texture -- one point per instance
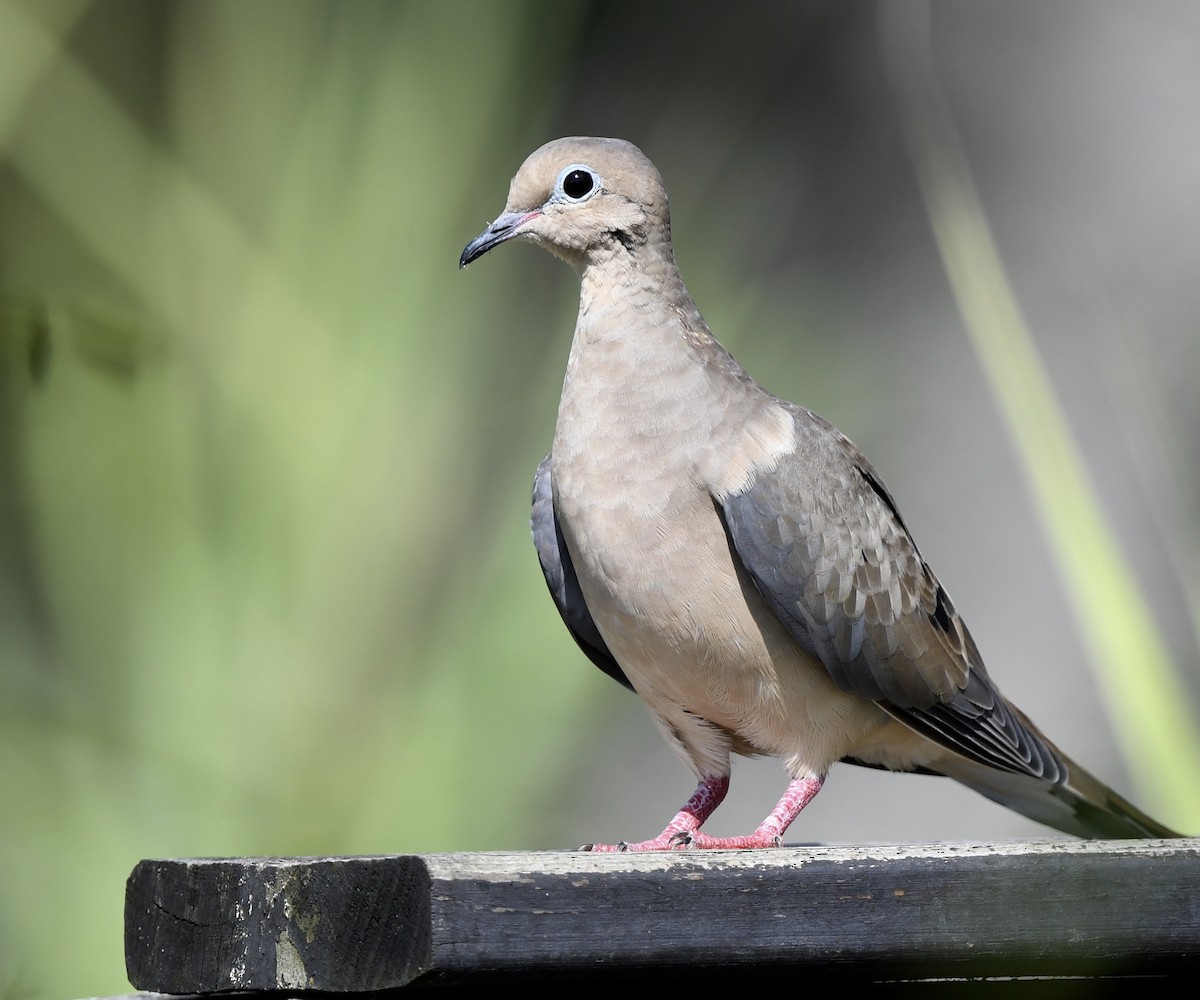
(363, 924)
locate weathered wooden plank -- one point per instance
(362, 924)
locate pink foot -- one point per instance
(683, 832)
(707, 796)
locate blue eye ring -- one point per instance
(577, 182)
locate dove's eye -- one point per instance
(577, 183)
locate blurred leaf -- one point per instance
(1148, 706)
(113, 347)
(25, 341)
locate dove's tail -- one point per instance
(1077, 803)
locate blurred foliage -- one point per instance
(265, 578)
(249, 451)
(1147, 697)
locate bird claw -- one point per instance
(691, 840)
(675, 842)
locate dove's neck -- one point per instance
(638, 331)
(646, 380)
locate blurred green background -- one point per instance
(266, 585)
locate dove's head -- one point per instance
(582, 199)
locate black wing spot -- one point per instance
(883, 495)
(941, 615)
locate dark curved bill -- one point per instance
(505, 227)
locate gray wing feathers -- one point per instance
(561, 579)
(829, 553)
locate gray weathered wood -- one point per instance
(362, 924)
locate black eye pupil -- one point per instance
(577, 183)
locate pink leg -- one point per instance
(799, 793)
(684, 830)
(707, 796)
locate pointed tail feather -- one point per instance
(1077, 803)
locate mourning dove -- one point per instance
(736, 560)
